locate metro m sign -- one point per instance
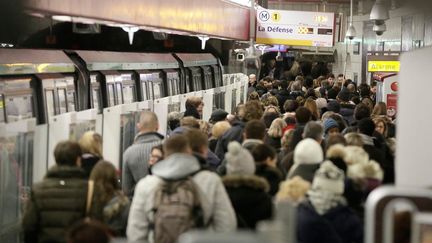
(294, 28)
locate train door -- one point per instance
(208, 78)
(121, 115)
(17, 135)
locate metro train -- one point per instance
(47, 96)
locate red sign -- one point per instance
(391, 105)
(394, 86)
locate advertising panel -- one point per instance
(295, 28)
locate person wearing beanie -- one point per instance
(308, 155)
(218, 115)
(325, 217)
(330, 127)
(248, 193)
(347, 108)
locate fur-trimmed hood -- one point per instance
(251, 181)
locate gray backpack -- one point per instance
(177, 209)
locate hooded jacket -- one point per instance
(234, 133)
(135, 160)
(216, 205)
(347, 112)
(339, 225)
(251, 202)
(55, 204)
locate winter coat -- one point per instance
(88, 161)
(273, 142)
(191, 111)
(212, 144)
(305, 171)
(339, 225)
(55, 204)
(135, 160)
(216, 205)
(235, 133)
(282, 96)
(347, 112)
(115, 214)
(295, 94)
(272, 175)
(249, 197)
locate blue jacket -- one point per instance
(339, 225)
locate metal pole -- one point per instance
(252, 28)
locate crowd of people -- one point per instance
(322, 144)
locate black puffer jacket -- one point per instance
(249, 197)
(55, 204)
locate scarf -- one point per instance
(323, 201)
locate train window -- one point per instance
(18, 108)
(71, 100)
(49, 99)
(119, 92)
(129, 94)
(96, 98)
(144, 90)
(157, 90)
(62, 100)
(111, 95)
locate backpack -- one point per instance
(177, 208)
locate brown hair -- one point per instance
(253, 110)
(67, 153)
(176, 144)
(380, 109)
(194, 101)
(197, 139)
(311, 105)
(105, 180)
(189, 121)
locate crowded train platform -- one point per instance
(215, 121)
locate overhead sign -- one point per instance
(383, 66)
(295, 28)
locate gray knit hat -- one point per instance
(239, 160)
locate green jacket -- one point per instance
(55, 204)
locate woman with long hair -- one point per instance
(108, 203)
(91, 146)
(311, 105)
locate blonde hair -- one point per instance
(220, 128)
(293, 190)
(204, 127)
(276, 128)
(354, 139)
(91, 142)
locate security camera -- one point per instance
(240, 57)
(379, 12)
(351, 32)
(379, 29)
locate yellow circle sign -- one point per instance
(276, 17)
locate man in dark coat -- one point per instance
(283, 95)
(252, 110)
(324, 217)
(59, 200)
(346, 108)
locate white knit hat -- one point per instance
(329, 178)
(239, 160)
(308, 151)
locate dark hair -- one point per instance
(263, 151)
(197, 139)
(284, 85)
(67, 153)
(290, 105)
(303, 115)
(361, 111)
(308, 83)
(89, 232)
(269, 117)
(255, 129)
(176, 144)
(366, 126)
(364, 90)
(340, 121)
